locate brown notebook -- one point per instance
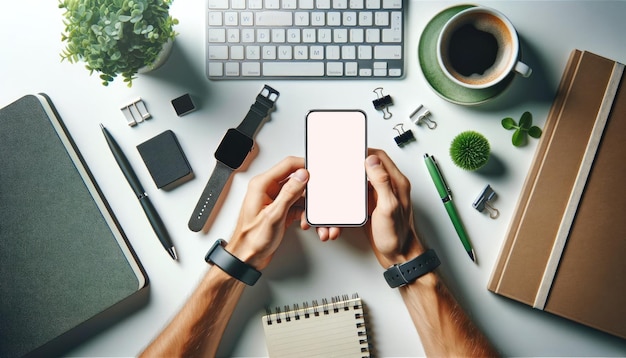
(565, 250)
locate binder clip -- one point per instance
(483, 201)
(403, 137)
(382, 102)
(135, 112)
(423, 117)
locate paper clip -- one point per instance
(423, 117)
(483, 201)
(382, 102)
(403, 137)
(135, 112)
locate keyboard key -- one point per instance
(293, 69)
(334, 69)
(218, 4)
(251, 69)
(215, 69)
(392, 4)
(388, 52)
(273, 18)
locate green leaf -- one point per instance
(526, 121)
(534, 132)
(519, 138)
(509, 123)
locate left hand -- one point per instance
(273, 201)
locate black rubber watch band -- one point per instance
(236, 268)
(258, 111)
(402, 274)
(209, 196)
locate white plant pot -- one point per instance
(160, 59)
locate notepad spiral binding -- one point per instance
(314, 309)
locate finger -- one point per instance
(333, 233)
(400, 184)
(292, 190)
(270, 181)
(396, 175)
(323, 233)
(378, 176)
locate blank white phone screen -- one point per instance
(336, 147)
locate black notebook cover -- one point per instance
(66, 268)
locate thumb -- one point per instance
(378, 176)
(292, 190)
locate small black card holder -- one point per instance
(165, 160)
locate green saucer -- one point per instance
(442, 85)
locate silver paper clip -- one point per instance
(483, 201)
(135, 112)
(382, 102)
(423, 117)
(403, 137)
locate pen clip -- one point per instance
(443, 179)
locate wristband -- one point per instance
(402, 274)
(236, 268)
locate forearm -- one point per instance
(444, 328)
(198, 328)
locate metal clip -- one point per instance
(403, 137)
(382, 102)
(483, 201)
(423, 117)
(135, 112)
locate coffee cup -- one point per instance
(478, 48)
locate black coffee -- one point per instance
(472, 51)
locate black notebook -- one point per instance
(66, 268)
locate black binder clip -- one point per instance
(382, 102)
(483, 201)
(403, 137)
(423, 117)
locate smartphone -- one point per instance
(336, 148)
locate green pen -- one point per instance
(446, 197)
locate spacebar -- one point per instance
(293, 69)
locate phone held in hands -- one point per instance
(336, 148)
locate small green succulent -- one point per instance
(525, 127)
(115, 37)
(470, 150)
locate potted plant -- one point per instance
(117, 37)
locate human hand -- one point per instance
(391, 230)
(274, 199)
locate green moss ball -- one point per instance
(469, 150)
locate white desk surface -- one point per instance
(304, 268)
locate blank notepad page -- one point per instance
(330, 329)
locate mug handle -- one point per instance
(523, 69)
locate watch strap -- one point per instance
(210, 194)
(258, 111)
(230, 264)
(402, 274)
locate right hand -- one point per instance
(390, 229)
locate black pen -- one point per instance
(146, 204)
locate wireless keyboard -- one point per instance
(273, 39)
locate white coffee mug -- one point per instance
(478, 48)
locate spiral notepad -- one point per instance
(329, 329)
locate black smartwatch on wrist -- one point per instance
(228, 263)
(402, 274)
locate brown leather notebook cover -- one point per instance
(565, 250)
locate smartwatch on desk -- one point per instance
(231, 153)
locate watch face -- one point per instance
(234, 148)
